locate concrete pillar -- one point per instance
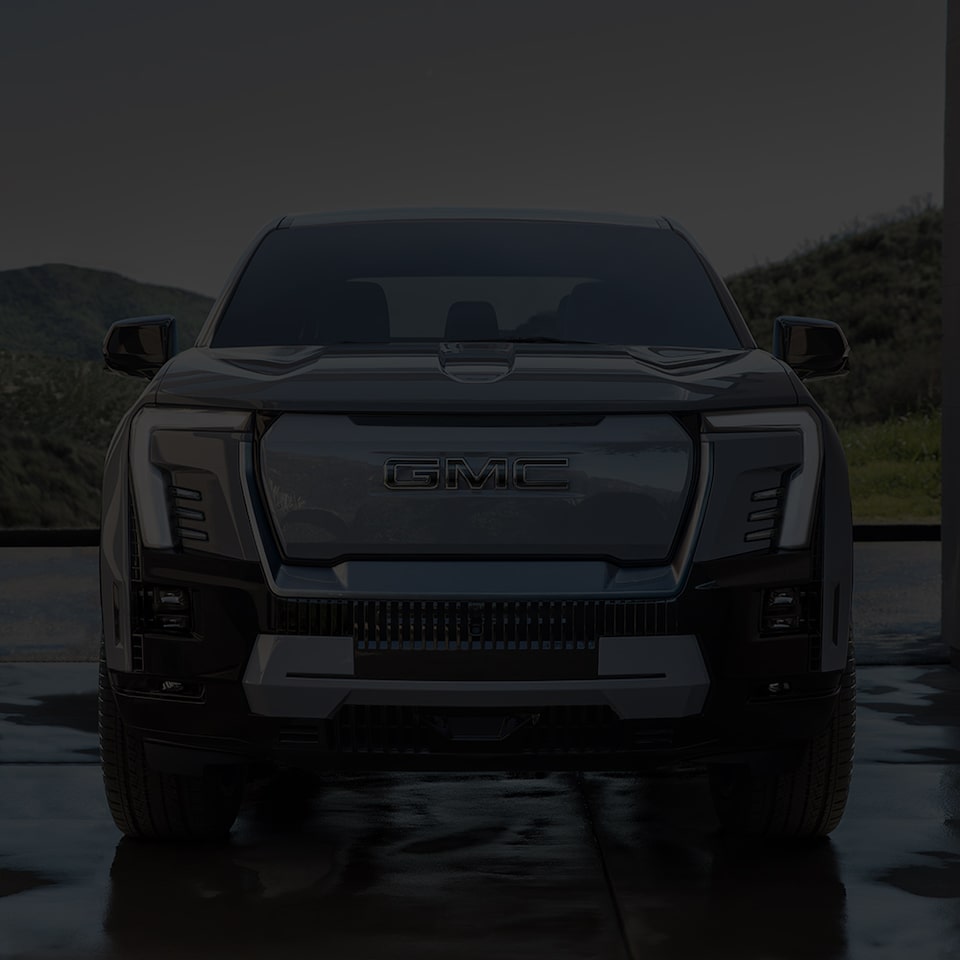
(950, 450)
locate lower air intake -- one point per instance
(465, 625)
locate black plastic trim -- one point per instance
(69, 537)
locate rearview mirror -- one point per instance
(813, 348)
(141, 346)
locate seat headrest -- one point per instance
(471, 320)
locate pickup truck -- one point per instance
(474, 490)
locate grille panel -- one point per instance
(473, 626)
(136, 653)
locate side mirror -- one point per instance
(141, 346)
(814, 348)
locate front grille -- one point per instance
(381, 729)
(136, 653)
(467, 625)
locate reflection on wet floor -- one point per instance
(940, 878)
(432, 866)
(476, 866)
(686, 891)
(13, 882)
(404, 865)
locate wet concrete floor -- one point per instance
(503, 866)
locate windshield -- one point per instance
(475, 280)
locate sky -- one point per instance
(155, 139)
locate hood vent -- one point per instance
(476, 363)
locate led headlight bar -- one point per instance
(149, 481)
(801, 492)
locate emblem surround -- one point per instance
(457, 473)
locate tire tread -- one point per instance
(807, 801)
(152, 804)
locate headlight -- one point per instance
(801, 488)
(150, 481)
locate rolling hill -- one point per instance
(63, 311)
(882, 285)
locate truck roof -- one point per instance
(472, 213)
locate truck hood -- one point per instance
(470, 377)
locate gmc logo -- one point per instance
(457, 473)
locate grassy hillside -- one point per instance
(895, 469)
(58, 407)
(65, 311)
(882, 285)
(58, 416)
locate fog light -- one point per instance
(781, 597)
(167, 609)
(780, 624)
(169, 599)
(780, 611)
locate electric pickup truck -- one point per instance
(475, 490)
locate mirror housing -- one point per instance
(813, 348)
(141, 346)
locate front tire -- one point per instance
(154, 805)
(805, 802)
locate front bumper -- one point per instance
(638, 677)
(549, 685)
(185, 737)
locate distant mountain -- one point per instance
(64, 311)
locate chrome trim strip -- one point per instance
(684, 558)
